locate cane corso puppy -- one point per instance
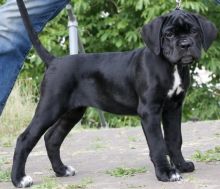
(150, 82)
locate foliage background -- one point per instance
(114, 25)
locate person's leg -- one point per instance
(14, 40)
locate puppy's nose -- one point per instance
(185, 44)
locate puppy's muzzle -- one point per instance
(187, 57)
(185, 44)
(187, 60)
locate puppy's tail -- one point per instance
(42, 52)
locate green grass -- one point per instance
(137, 186)
(190, 178)
(207, 156)
(51, 183)
(132, 139)
(17, 113)
(217, 135)
(98, 139)
(2, 161)
(5, 175)
(122, 171)
(82, 185)
(91, 120)
(7, 141)
(48, 183)
(97, 144)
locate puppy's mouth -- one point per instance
(187, 59)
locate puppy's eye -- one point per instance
(194, 31)
(169, 34)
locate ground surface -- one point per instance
(93, 152)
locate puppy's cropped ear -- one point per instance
(209, 31)
(151, 34)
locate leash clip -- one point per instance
(178, 4)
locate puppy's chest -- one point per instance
(176, 87)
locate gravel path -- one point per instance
(94, 152)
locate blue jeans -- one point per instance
(14, 41)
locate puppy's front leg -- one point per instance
(171, 118)
(150, 114)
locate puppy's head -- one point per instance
(179, 36)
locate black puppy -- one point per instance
(149, 82)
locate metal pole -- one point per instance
(76, 46)
(73, 31)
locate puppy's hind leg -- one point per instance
(46, 115)
(56, 135)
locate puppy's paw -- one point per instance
(186, 167)
(26, 181)
(175, 177)
(66, 171)
(168, 175)
(70, 171)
